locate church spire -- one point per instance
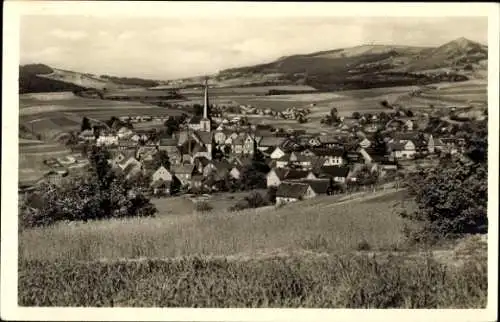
(205, 102)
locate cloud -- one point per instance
(68, 34)
(126, 35)
(179, 47)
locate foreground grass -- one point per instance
(316, 225)
(319, 281)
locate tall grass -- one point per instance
(316, 225)
(323, 282)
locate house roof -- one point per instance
(204, 137)
(168, 142)
(203, 160)
(327, 152)
(397, 145)
(284, 157)
(293, 174)
(326, 139)
(334, 171)
(183, 169)
(319, 186)
(131, 166)
(271, 141)
(292, 190)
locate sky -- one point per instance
(176, 47)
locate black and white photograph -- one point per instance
(237, 160)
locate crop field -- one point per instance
(295, 281)
(31, 156)
(255, 90)
(337, 227)
(302, 255)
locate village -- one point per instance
(206, 154)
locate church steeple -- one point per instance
(205, 121)
(205, 101)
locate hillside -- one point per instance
(40, 78)
(370, 66)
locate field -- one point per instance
(254, 90)
(339, 227)
(31, 156)
(302, 255)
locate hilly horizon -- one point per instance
(363, 66)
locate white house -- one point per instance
(293, 191)
(402, 149)
(161, 174)
(365, 143)
(124, 133)
(278, 153)
(107, 140)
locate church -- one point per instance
(204, 123)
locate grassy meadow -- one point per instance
(317, 225)
(314, 253)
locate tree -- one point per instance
(198, 110)
(356, 115)
(161, 159)
(271, 194)
(98, 195)
(72, 140)
(86, 124)
(385, 104)
(451, 200)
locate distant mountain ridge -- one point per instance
(39, 78)
(368, 66)
(364, 66)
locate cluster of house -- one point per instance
(302, 166)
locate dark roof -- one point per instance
(319, 186)
(130, 167)
(333, 171)
(397, 145)
(183, 169)
(327, 139)
(203, 160)
(168, 142)
(295, 174)
(280, 172)
(271, 141)
(327, 152)
(291, 190)
(205, 137)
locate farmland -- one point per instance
(303, 255)
(340, 227)
(31, 156)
